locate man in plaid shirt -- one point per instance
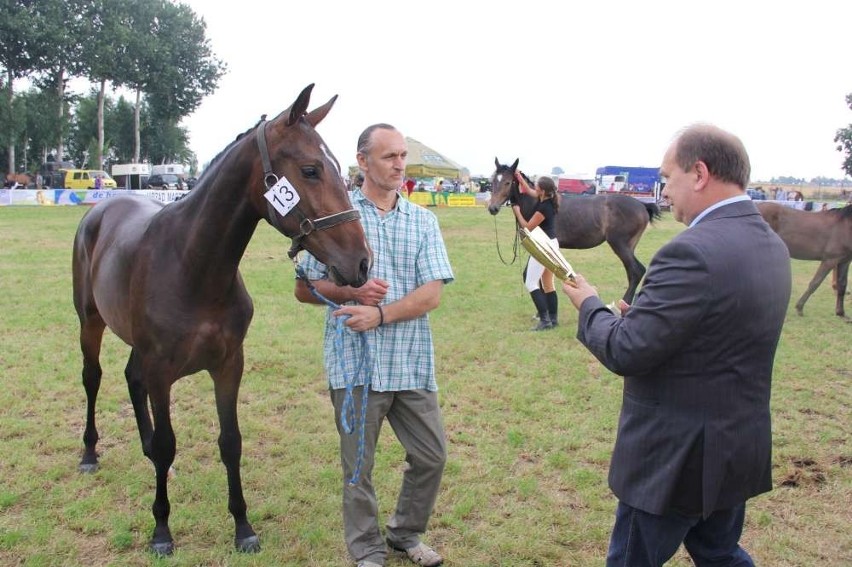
(410, 268)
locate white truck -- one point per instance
(131, 175)
(172, 168)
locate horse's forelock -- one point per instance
(500, 171)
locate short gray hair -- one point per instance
(364, 138)
(723, 153)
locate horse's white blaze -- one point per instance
(331, 158)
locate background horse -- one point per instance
(825, 236)
(23, 180)
(587, 221)
(165, 279)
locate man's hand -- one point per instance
(361, 317)
(372, 292)
(579, 290)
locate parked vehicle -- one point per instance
(174, 168)
(165, 181)
(78, 179)
(574, 185)
(643, 183)
(131, 175)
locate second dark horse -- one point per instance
(586, 221)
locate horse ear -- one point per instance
(298, 109)
(315, 116)
(496, 163)
(515, 165)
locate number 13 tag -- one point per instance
(283, 196)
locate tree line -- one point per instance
(843, 138)
(157, 50)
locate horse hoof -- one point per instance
(162, 549)
(88, 468)
(248, 545)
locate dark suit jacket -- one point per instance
(696, 350)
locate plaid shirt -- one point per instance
(408, 251)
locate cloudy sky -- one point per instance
(576, 85)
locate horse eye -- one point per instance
(310, 171)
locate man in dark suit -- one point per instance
(696, 351)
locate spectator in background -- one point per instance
(439, 189)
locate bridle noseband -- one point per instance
(306, 225)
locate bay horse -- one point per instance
(825, 236)
(586, 221)
(22, 180)
(165, 279)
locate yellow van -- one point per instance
(85, 179)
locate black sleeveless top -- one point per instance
(548, 225)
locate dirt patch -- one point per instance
(804, 471)
(842, 460)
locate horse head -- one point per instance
(303, 195)
(503, 185)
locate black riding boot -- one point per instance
(553, 307)
(540, 302)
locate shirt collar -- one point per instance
(715, 206)
(402, 204)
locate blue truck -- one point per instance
(642, 183)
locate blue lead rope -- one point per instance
(364, 367)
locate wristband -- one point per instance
(381, 315)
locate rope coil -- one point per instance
(363, 369)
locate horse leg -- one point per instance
(634, 268)
(139, 399)
(824, 268)
(227, 385)
(841, 276)
(162, 455)
(91, 333)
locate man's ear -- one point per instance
(702, 174)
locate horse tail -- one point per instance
(653, 212)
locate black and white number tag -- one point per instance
(283, 196)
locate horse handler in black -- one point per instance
(537, 279)
(696, 351)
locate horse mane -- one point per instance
(845, 213)
(215, 161)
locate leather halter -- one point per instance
(306, 225)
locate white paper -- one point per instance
(283, 196)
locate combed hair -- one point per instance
(723, 153)
(364, 138)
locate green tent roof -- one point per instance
(423, 161)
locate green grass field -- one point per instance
(530, 419)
